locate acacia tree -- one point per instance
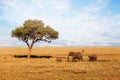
(33, 31)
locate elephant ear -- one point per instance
(71, 53)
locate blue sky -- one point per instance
(79, 22)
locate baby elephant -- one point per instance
(92, 57)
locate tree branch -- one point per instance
(33, 41)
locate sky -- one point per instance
(79, 22)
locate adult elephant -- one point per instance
(75, 55)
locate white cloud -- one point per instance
(8, 41)
(96, 6)
(62, 4)
(53, 4)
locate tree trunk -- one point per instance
(29, 53)
(30, 47)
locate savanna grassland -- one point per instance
(106, 68)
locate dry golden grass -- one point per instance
(106, 68)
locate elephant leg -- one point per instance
(95, 59)
(73, 59)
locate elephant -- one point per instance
(75, 55)
(92, 57)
